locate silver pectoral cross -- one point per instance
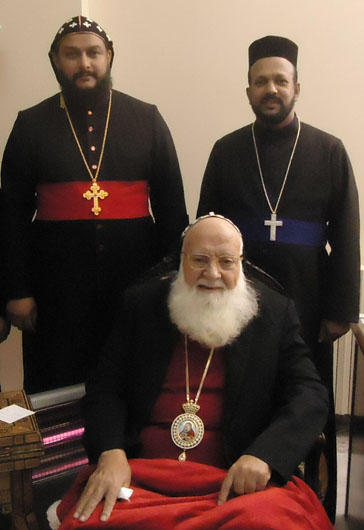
(273, 223)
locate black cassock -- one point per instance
(2, 261)
(319, 205)
(74, 263)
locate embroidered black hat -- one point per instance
(81, 24)
(272, 46)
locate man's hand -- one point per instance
(331, 330)
(22, 313)
(111, 474)
(248, 475)
(4, 329)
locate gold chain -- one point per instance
(203, 375)
(274, 210)
(93, 178)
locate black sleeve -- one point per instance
(301, 405)
(341, 296)
(166, 188)
(19, 206)
(104, 406)
(3, 293)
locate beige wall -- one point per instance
(190, 57)
(27, 29)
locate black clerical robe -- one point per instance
(74, 263)
(2, 261)
(319, 205)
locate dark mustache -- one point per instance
(84, 73)
(269, 97)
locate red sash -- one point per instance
(64, 201)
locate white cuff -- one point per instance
(52, 517)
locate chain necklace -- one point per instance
(187, 429)
(94, 192)
(273, 222)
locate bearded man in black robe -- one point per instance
(93, 197)
(291, 190)
(225, 349)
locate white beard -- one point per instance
(212, 319)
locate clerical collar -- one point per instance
(264, 133)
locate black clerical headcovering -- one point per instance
(272, 46)
(81, 24)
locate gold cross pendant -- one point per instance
(95, 193)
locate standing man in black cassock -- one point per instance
(291, 190)
(93, 197)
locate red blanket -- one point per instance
(172, 495)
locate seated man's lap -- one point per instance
(183, 495)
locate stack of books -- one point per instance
(21, 447)
(60, 422)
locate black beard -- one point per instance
(273, 119)
(84, 97)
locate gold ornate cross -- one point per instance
(95, 193)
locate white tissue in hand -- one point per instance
(125, 493)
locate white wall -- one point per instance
(190, 58)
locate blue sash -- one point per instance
(293, 232)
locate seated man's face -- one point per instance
(211, 256)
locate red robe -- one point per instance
(170, 495)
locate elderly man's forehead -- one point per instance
(212, 231)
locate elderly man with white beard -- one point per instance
(204, 404)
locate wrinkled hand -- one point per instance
(331, 330)
(22, 313)
(247, 475)
(4, 329)
(111, 474)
